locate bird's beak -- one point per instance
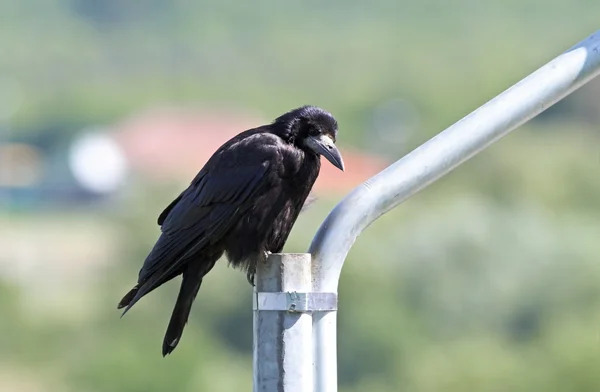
(324, 145)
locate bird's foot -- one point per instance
(250, 277)
(252, 271)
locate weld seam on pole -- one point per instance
(295, 302)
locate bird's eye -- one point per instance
(314, 131)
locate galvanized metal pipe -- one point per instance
(426, 164)
(282, 346)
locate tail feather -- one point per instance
(141, 289)
(189, 289)
(192, 279)
(137, 293)
(128, 297)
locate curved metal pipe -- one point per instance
(426, 164)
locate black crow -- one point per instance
(243, 203)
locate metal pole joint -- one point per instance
(295, 302)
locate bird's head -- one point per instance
(313, 130)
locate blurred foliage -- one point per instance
(486, 281)
(95, 61)
(458, 289)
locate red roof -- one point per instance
(169, 144)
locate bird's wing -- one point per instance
(205, 211)
(163, 215)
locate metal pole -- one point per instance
(426, 164)
(282, 349)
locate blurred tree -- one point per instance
(107, 14)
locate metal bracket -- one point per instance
(295, 302)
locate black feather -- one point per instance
(243, 203)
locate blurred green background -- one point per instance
(486, 281)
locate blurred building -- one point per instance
(49, 168)
(172, 144)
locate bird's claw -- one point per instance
(252, 272)
(250, 277)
